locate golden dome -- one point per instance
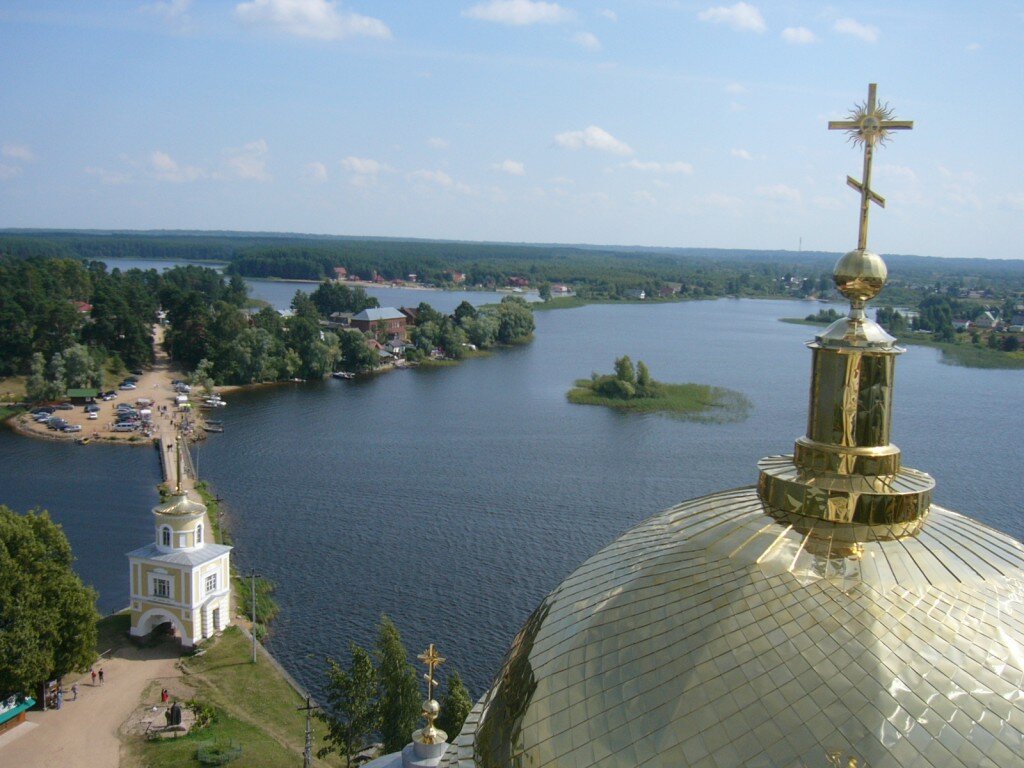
(180, 505)
(715, 635)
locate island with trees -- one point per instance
(631, 388)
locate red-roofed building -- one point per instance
(340, 273)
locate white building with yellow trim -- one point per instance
(182, 578)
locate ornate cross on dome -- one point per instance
(869, 124)
(432, 659)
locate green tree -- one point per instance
(352, 713)
(481, 331)
(80, 368)
(201, 376)
(36, 387)
(624, 370)
(455, 706)
(55, 376)
(515, 320)
(398, 688)
(47, 616)
(645, 386)
(463, 311)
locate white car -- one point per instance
(92, 416)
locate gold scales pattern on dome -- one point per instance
(711, 636)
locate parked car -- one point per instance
(92, 416)
(124, 427)
(64, 407)
(127, 386)
(92, 408)
(108, 395)
(56, 423)
(73, 428)
(42, 409)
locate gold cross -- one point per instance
(432, 659)
(869, 124)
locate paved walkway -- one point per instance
(84, 733)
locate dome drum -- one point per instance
(872, 500)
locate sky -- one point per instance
(615, 122)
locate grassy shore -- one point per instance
(692, 402)
(953, 353)
(252, 705)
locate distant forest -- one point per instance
(593, 272)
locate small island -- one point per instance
(632, 389)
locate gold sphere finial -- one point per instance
(860, 275)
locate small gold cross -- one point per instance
(432, 659)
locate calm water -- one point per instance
(454, 499)
(279, 294)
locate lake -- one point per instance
(454, 499)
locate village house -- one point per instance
(456, 277)
(339, 320)
(340, 274)
(387, 321)
(986, 320)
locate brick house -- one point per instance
(385, 320)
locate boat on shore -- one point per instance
(216, 428)
(343, 375)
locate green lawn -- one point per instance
(693, 402)
(254, 706)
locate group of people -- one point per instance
(94, 675)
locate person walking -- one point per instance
(101, 675)
(74, 691)
(93, 673)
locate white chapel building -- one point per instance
(182, 577)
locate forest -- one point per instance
(64, 323)
(593, 272)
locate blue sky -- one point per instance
(646, 122)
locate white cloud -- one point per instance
(249, 161)
(109, 177)
(972, 47)
(316, 171)
(741, 16)
(165, 168)
(735, 88)
(9, 171)
(780, 193)
(799, 35)
(319, 19)
(742, 154)
(18, 152)
(854, 28)
(587, 41)
(593, 137)
(609, 14)
(511, 167)
(653, 167)
(440, 179)
(435, 142)
(519, 13)
(643, 196)
(363, 166)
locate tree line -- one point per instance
(379, 694)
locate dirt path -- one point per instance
(84, 733)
